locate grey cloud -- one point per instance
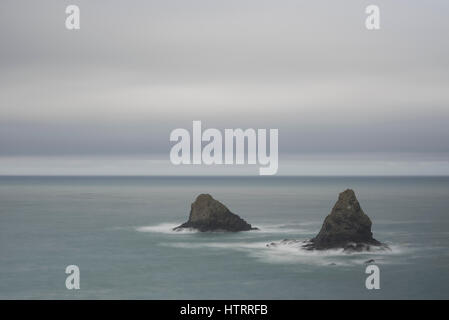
(136, 70)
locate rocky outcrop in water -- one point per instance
(347, 227)
(208, 214)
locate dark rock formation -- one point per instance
(347, 227)
(208, 214)
(370, 261)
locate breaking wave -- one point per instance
(294, 254)
(166, 228)
(261, 245)
(291, 228)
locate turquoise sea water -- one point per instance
(117, 230)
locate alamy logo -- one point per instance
(72, 22)
(373, 280)
(372, 21)
(73, 280)
(234, 140)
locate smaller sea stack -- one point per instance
(208, 214)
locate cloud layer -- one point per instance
(137, 70)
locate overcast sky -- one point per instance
(138, 69)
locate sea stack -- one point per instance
(347, 227)
(208, 214)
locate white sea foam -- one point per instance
(281, 252)
(166, 227)
(292, 228)
(292, 253)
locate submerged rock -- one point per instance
(208, 214)
(285, 242)
(347, 227)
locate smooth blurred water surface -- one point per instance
(117, 230)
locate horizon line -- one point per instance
(216, 176)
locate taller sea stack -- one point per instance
(208, 214)
(347, 226)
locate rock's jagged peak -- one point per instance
(204, 197)
(347, 195)
(347, 201)
(205, 207)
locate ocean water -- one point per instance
(118, 231)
